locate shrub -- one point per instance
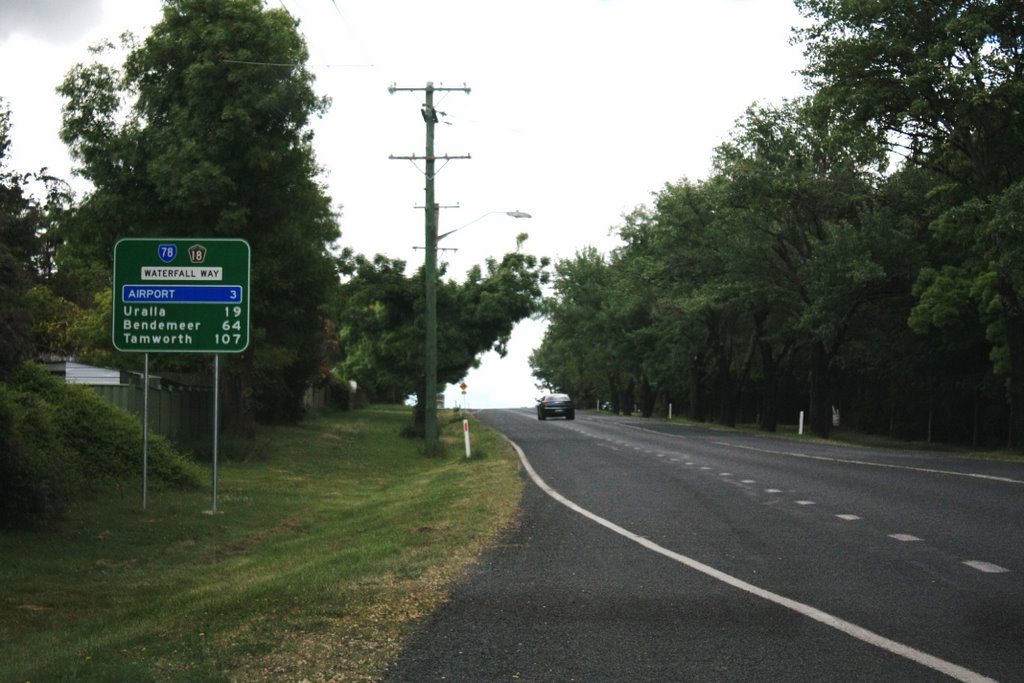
(61, 441)
(32, 483)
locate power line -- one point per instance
(293, 65)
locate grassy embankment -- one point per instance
(331, 539)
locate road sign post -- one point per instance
(181, 295)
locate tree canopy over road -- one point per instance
(381, 310)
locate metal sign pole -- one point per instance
(145, 424)
(216, 425)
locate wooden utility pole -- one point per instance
(430, 209)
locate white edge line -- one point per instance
(972, 475)
(932, 662)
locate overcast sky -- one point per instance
(578, 111)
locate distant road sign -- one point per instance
(181, 295)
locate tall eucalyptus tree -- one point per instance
(797, 190)
(942, 82)
(215, 141)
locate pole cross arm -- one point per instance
(392, 89)
(442, 157)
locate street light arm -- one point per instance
(513, 214)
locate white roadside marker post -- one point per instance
(465, 433)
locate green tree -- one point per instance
(478, 314)
(26, 238)
(54, 322)
(943, 83)
(381, 326)
(801, 186)
(16, 236)
(584, 349)
(215, 142)
(705, 276)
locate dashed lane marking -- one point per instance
(904, 538)
(986, 567)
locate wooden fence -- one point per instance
(184, 414)
(316, 398)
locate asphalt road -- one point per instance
(650, 551)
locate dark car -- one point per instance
(556, 405)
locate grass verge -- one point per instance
(330, 542)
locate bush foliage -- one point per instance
(59, 442)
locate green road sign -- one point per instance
(181, 295)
